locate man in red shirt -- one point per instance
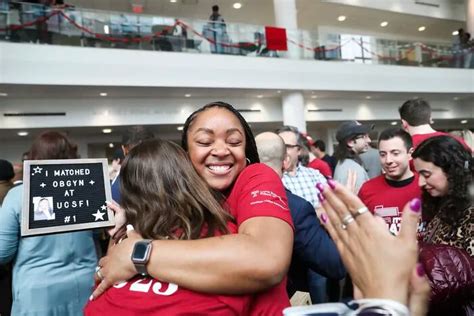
(387, 194)
(416, 120)
(317, 163)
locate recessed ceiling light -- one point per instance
(455, 98)
(173, 1)
(259, 96)
(421, 28)
(103, 94)
(464, 122)
(394, 123)
(3, 94)
(111, 145)
(314, 97)
(180, 128)
(107, 130)
(237, 5)
(455, 33)
(368, 97)
(187, 95)
(384, 24)
(23, 133)
(341, 18)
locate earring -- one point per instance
(248, 161)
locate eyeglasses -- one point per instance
(288, 146)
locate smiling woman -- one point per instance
(254, 261)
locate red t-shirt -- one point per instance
(258, 191)
(387, 200)
(147, 296)
(322, 166)
(419, 138)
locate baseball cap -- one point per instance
(351, 128)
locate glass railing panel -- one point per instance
(33, 23)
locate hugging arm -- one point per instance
(254, 259)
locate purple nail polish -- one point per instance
(420, 270)
(321, 197)
(324, 218)
(320, 187)
(415, 205)
(332, 183)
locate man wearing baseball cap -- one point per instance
(353, 138)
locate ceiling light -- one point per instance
(259, 96)
(314, 97)
(23, 133)
(237, 5)
(111, 145)
(455, 33)
(341, 18)
(279, 91)
(464, 122)
(173, 1)
(394, 123)
(103, 94)
(455, 98)
(368, 97)
(106, 29)
(107, 130)
(3, 94)
(421, 28)
(384, 24)
(180, 128)
(187, 95)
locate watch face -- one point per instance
(139, 252)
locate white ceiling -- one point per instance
(42, 91)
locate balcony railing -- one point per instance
(32, 23)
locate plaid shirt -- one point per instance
(303, 183)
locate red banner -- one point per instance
(276, 38)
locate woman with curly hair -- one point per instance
(446, 173)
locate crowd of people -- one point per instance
(232, 224)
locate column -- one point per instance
(286, 17)
(470, 17)
(293, 110)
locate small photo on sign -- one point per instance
(65, 195)
(43, 208)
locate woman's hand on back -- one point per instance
(117, 265)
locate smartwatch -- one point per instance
(141, 254)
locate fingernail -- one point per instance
(324, 218)
(108, 203)
(328, 177)
(332, 183)
(415, 205)
(320, 186)
(91, 298)
(321, 197)
(420, 270)
(130, 227)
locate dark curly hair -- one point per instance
(457, 164)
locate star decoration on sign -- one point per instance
(103, 207)
(37, 169)
(98, 215)
(42, 185)
(92, 182)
